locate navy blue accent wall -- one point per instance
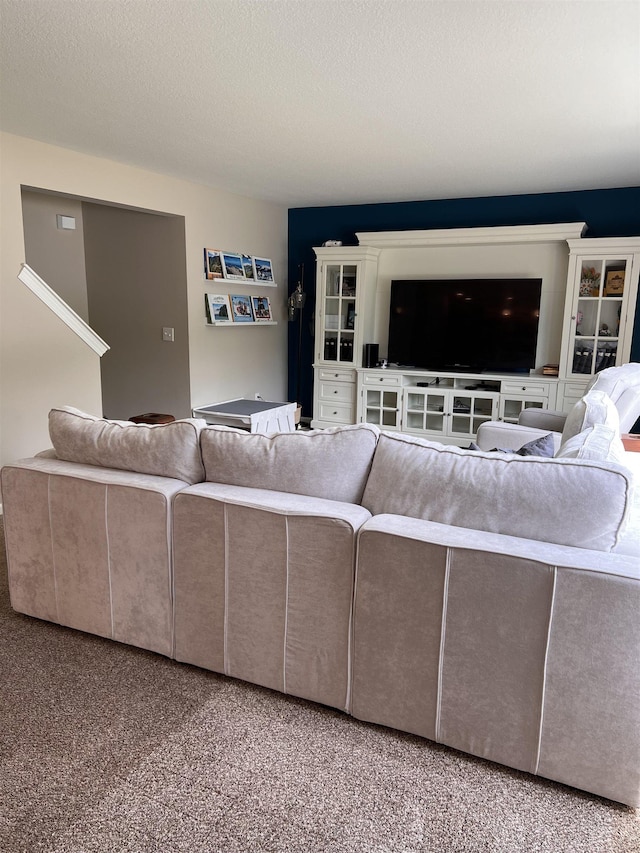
(608, 213)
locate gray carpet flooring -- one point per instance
(109, 748)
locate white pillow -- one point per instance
(595, 407)
(599, 443)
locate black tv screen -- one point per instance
(475, 325)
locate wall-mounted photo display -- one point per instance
(261, 309)
(241, 309)
(212, 264)
(263, 271)
(218, 308)
(247, 265)
(232, 266)
(237, 266)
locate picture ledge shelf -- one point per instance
(242, 325)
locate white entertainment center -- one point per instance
(587, 308)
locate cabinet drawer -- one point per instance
(336, 375)
(575, 390)
(381, 379)
(338, 391)
(536, 389)
(341, 413)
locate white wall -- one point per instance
(548, 261)
(42, 364)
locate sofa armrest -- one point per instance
(492, 434)
(546, 419)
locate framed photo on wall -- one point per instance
(241, 309)
(218, 308)
(212, 264)
(261, 309)
(232, 266)
(247, 264)
(263, 271)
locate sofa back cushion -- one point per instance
(530, 497)
(167, 450)
(330, 463)
(595, 407)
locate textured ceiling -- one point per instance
(311, 102)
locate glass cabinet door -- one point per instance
(341, 281)
(382, 407)
(596, 316)
(468, 411)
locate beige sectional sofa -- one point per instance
(486, 601)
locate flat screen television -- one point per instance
(474, 325)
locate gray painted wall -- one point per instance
(56, 255)
(136, 284)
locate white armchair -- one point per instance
(621, 384)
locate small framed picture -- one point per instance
(261, 309)
(241, 309)
(218, 308)
(232, 266)
(247, 264)
(263, 271)
(212, 264)
(614, 283)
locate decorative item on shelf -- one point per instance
(241, 309)
(295, 305)
(261, 309)
(262, 270)
(551, 370)
(331, 349)
(247, 265)
(212, 264)
(332, 243)
(346, 349)
(232, 266)
(589, 282)
(605, 331)
(614, 283)
(218, 308)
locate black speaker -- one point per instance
(370, 355)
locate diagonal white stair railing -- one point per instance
(60, 308)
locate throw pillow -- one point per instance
(600, 443)
(595, 407)
(543, 446)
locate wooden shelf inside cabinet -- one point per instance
(242, 325)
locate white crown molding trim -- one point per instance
(60, 308)
(549, 233)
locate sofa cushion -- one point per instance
(166, 450)
(536, 498)
(330, 463)
(595, 407)
(600, 443)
